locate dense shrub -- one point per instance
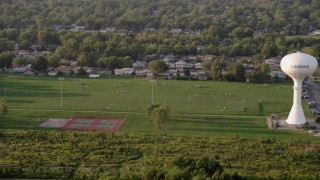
(318, 119)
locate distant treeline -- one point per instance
(290, 16)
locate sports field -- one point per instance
(31, 100)
(135, 95)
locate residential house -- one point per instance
(150, 75)
(118, 72)
(65, 62)
(274, 63)
(169, 58)
(149, 57)
(149, 29)
(190, 66)
(110, 29)
(29, 73)
(23, 53)
(122, 30)
(278, 74)
(180, 65)
(171, 65)
(248, 65)
(74, 63)
(124, 71)
(192, 58)
(53, 73)
(202, 76)
(315, 33)
(198, 66)
(65, 69)
(94, 75)
(77, 29)
(194, 73)
(173, 72)
(199, 48)
(142, 73)
(175, 31)
(18, 69)
(259, 32)
(128, 71)
(181, 74)
(139, 64)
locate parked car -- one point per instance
(315, 111)
(312, 103)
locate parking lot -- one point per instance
(311, 93)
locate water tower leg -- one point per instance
(296, 116)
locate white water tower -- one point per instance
(298, 66)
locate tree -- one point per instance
(82, 72)
(158, 66)
(261, 74)
(3, 108)
(158, 114)
(6, 59)
(20, 61)
(242, 32)
(40, 63)
(269, 49)
(236, 72)
(53, 61)
(217, 66)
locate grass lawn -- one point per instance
(31, 100)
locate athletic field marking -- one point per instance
(94, 124)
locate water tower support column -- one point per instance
(296, 115)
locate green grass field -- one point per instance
(31, 100)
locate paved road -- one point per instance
(314, 90)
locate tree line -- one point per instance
(291, 17)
